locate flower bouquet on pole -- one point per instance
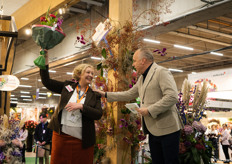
(47, 35)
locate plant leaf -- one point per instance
(101, 72)
(99, 66)
(104, 53)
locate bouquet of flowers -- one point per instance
(47, 35)
(30, 125)
(9, 145)
(193, 146)
(131, 131)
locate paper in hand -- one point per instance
(132, 107)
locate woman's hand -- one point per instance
(46, 56)
(73, 106)
(2, 143)
(99, 91)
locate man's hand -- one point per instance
(99, 91)
(40, 144)
(143, 111)
(43, 143)
(73, 106)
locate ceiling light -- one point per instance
(95, 58)
(24, 78)
(13, 99)
(216, 53)
(183, 47)
(1, 11)
(56, 94)
(24, 92)
(194, 73)
(25, 86)
(68, 57)
(26, 96)
(43, 94)
(42, 98)
(60, 11)
(49, 94)
(27, 99)
(28, 31)
(12, 95)
(70, 63)
(52, 71)
(14, 102)
(144, 28)
(69, 73)
(44, 87)
(92, 2)
(175, 70)
(152, 41)
(39, 80)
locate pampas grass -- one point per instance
(199, 98)
(186, 90)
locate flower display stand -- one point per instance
(30, 139)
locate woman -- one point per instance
(23, 133)
(213, 134)
(20, 141)
(225, 142)
(73, 121)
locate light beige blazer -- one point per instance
(159, 94)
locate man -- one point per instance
(43, 136)
(158, 93)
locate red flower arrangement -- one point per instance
(30, 125)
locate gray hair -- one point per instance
(146, 53)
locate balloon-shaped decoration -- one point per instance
(8, 82)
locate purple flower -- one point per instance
(188, 129)
(127, 140)
(124, 123)
(83, 42)
(123, 120)
(78, 38)
(109, 131)
(187, 144)
(133, 81)
(141, 137)
(137, 122)
(15, 153)
(199, 126)
(59, 22)
(2, 157)
(130, 86)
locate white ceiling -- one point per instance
(10, 6)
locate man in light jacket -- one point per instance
(157, 90)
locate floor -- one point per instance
(30, 158)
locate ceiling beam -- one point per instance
(210, 31)
(199, 38)
(192, 18)
(30, 12)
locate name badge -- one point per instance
(44, 131)
(69, 88)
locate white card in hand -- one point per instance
(132, 107)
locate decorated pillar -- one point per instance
(9, 35)
(120, 12)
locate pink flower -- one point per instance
(188, 129)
